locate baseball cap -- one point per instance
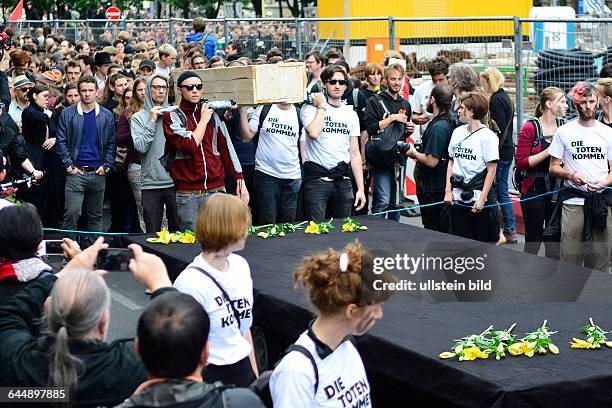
(148, 64)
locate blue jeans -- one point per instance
(501, 191)
(385, 192)
(188, 206)
(277, 198)
(317, 193)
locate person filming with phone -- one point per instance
(74, 353)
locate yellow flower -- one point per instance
(312, 228)
(528, 349)
(263, 234)
(516, 349)
(609, 344)
(581, 344)
(472, 353)
(447, 354)
(553, 349)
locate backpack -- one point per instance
(521, 175)
(381, 149)
(261, 386)
(264, 113)
(219, 395)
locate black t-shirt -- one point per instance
(435, 142)
(501, 109)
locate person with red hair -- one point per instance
(581, 154)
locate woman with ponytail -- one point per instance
(324, 357)
(533, 159)
(73, 354)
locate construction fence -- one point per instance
(532, 53)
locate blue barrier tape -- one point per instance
(84, 232)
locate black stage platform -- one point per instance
(401, 352)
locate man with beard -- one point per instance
(381, 111)
(581, 154)
(432, 156)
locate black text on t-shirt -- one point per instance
(464, 153)
(354, 396)
(275, 127)
(243, 306)
(335, 127)
(587, 152)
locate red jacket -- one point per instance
(196, 167)
(523, 150)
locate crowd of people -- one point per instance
(108, 124)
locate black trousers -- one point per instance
(536, 214)
(248, 172)
(430, 216)
(239, 374)
(461, 221)
(153, 203)
(124, 213)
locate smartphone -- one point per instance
(114, 259)
(50, 247)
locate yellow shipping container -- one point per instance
(360, 30)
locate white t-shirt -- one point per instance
(419, 102)
(277, 150)
(342, 379)
(583, 149)
(332, 145)
(470, 154)
(227, 343)
(163, 71)
(5, 203)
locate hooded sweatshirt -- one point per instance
(149, 141)
(204, 166)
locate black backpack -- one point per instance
(381, 149)
(219, 395)
(521, 175)
(264, 113)
(261, 386)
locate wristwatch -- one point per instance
(70, 169)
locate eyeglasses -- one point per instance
(159, 87)
(337, 81)
(191, 87)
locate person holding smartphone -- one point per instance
(221, 282)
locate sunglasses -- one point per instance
(337, 82)
(192, 87)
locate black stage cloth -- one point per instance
(401, 351)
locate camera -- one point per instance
(317, 87)
(224, 104)
(456, 180)
(403, 147)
